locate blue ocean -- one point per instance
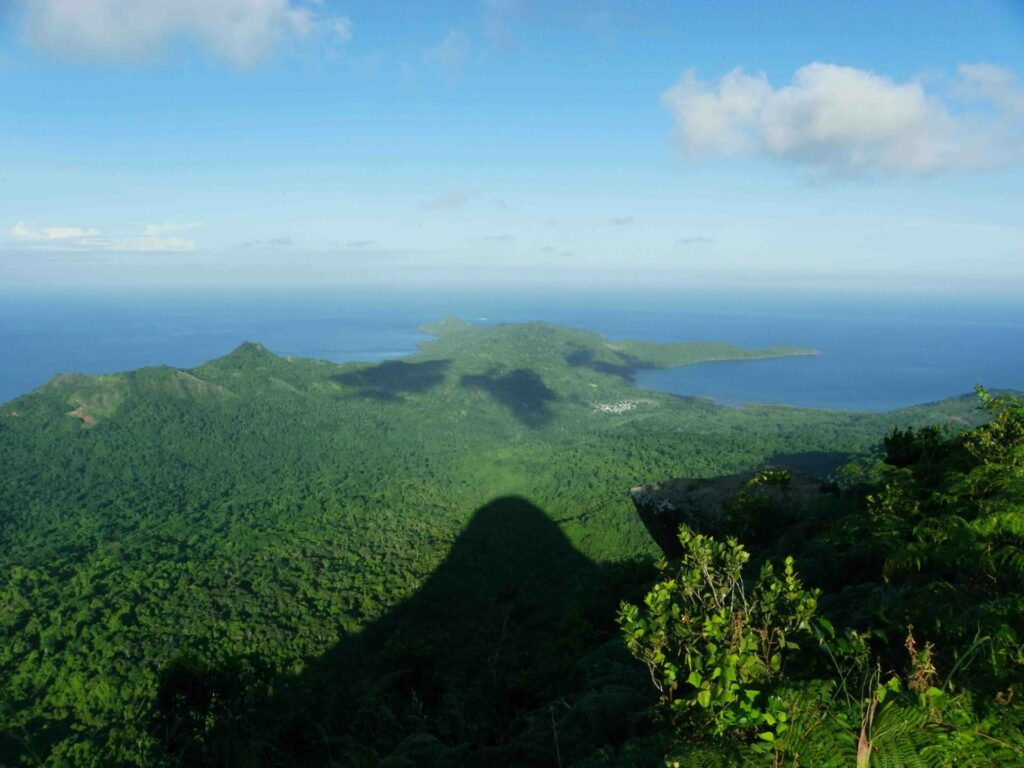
(875, 353)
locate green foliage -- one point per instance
(713, 647)
(940, 540)
(779, 477)
(268, 509)
(919, 557)
(1001, 440)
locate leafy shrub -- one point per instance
(711, 647)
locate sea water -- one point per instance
(874, 353)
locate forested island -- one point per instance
(437, 561)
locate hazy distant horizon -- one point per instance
(417, 156)
(877, 352)
(750, 283)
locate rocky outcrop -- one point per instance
(712, 506)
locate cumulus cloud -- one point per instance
(621, 221)
(65, 238)
(695, 240)
(834, 120)
(240, 31)
(455, 198)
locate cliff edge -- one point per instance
(711, 505)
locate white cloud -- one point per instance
(240, 31)
(449, 56)
(833, 120)
(23, 231)
(342, 26)
(987, 82)
(149, 244)
(65, 238)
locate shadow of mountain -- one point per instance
(585, 358)
(522, 391)
(820, 463)
(391, 379)
(507, 656)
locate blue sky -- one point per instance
(862, 145)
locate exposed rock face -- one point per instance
(708, 505)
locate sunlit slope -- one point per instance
(266, 505)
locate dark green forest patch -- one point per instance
(522, 391)
(392, 379)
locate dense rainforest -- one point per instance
(268, 560)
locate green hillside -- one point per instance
(258, 512)
(875, 620)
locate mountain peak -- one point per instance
(250, 350)
(250, 347)
(246, 354)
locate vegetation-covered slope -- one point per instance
(268, 508)
(903, 646)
